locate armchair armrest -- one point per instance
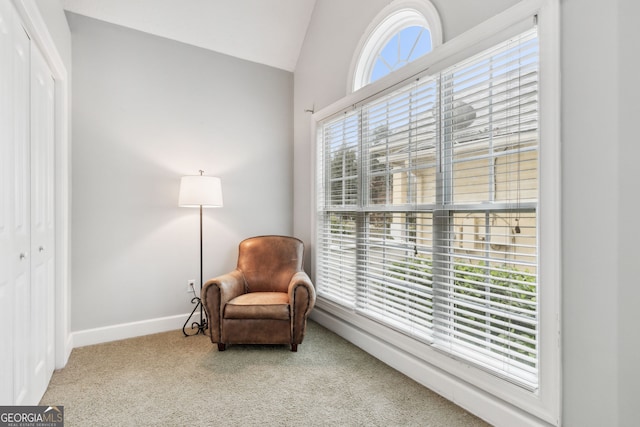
(215, 294)
(302, 298)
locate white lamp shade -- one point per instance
(200, 190)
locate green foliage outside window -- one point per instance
(476, 287)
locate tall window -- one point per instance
(428, 209)
(401, 33)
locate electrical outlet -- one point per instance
(191, 283)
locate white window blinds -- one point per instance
(427, 209)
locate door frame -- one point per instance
(38, 32)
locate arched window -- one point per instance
(403, 31)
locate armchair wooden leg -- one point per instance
(294, 347)
(222, 346)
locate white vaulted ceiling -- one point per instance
(269, 32)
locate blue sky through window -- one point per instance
(409, 44)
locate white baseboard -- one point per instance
(127, 330)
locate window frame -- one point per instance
(545, 402)
(397, 16)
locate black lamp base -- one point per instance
(195, 326)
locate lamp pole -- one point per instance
(203, 321)
(199, 191)
(202, 326)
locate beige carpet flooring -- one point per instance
(169, 380)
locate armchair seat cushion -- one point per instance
(258, 305)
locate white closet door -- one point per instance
(42, 224)
(7, 253)
(27, 223)
(22, 184)
(17, 292)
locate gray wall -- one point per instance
(601, 337)
(146, 111)
(628, 177)
(600, 288)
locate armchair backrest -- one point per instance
(269, 262)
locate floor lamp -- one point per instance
(199, 191)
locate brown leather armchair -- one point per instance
(265, 300)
